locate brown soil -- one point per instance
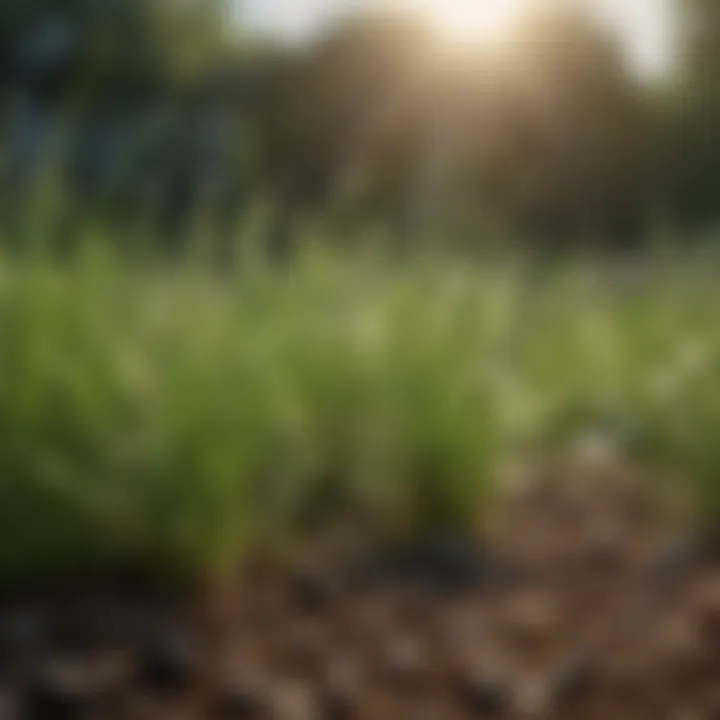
(585, 606)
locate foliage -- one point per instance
(375, 122)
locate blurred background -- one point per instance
(557, 121)
(369, 399)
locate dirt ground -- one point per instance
(586, 603)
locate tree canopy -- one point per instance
(556, 136)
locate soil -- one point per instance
(586, 603)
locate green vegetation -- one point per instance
(165, 418)
(175, 413)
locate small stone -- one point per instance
(533, 619)
(605, 548)
(372, 621)
(629, 678)
(502, 573)
(483, 695)
(170, 663)
(340, 694)
(293, 702)
(306, 651)
(403, 663)
(244, 697)
(311, 591)
(671, 565)
(679, 648)
(573, 682)
(533, 698)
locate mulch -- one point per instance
(586, 602)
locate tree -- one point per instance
(91, 44)
(340, 120)
(379, 117)
(695, 138)
(584, 130)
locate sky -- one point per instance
(645, 25)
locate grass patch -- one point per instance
(168, 419)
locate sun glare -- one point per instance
(469, 21)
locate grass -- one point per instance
(167, 419)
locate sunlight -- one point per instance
(469, 21)
(646, 27)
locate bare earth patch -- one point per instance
(586, 606)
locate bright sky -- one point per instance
(646, 25)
